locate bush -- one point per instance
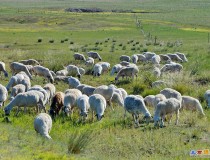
(51, 41)
(138, 89)
(39, 40)
(62, 41)
(71, 42)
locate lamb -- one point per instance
(172, 67)
(89, 61)
(134, 58)
(30, 62)
(62, 72)
(135, 105)
(43, 125)
(207, 98)
(175, 57)
(167, 106)
(115, 69)
(18, 67)
(44, 72)
(105, 66)
(26, 99)
(94, 55)
(88, 90)
(98, 105)
(128, 72)
(2, 69)
(164, 58)
(97, 70)
(78, 56)
(190, 103)
(56, 104)
(3, 95)
(83, 105)
(73, 70)
(73, 82)
(19, 88)
(171, 93)
(50, 89)
(155, 59)
(141, 58)
(182, 56)
(70, 100)
(125, 58)
(20, 78)
(149, 55)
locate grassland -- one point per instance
(177, 28)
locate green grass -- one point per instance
(110, 34)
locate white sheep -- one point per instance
(62, 78)
(125, 58)
(123, 92)
(20, 78)
(105, 66)
(164, 58)
(3, 95)
(158, 98)
(135, 105)
(127, 72)
(134, 58)
(172, 68)
(43, 124)
(149, 100)
(97, 70)
(73, 71)
(171, 93)
(62, 72)
(124, 63)
(50, 89)
(83, 105)
(30, 68)
(44, 72)
(155, 59)
(158, 83)
(70, 99)
(79, 56)
(117, 98)
(3, 69)
(88, 90)
(17, 67)
(82, 71)
(19, 88)
(89, 61)
(30, 62)
(26, 99)
(98, 105)
(141, 58)
(182, 56)
(115, 69)
(73, 82)
(207, 98)
(149, 55)
(156, 72)
(165, 107)
(190, 103)
(81, 86)
(94, 55)
(175, 57)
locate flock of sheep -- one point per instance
(96, 99)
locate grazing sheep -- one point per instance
(156, 72)
(155, 59)
(125, 63)
(158, 98)
(44, 72)
(171, 93)
(141, 58)
(94, 55)
(19, 88)
(53, 73)
(50, 89)
(78, 56)
(117, 98)
(20, 78)
(134, 58)
(30, 68)
(149, 55)
(18, 67)
(83, 105)
(175, 57)
(26, 99)
(182, 56)
(115, 69)
(30, 62)
(123, 92)
(127, 72)
(97, 70)
(73, 82)
(89, 61)
(164, 58)
(43, 125)
(98, 105)
(70, 100)
(62, 78)
(149, 100)
(3, 95)
(105, 66)
(135, 105)
(158, 83)
(62, 72)
(56, 104)
(81, 86)
(167, 106)
(88, 90)
(2, 69)
(207, 98)
(82, 71)
(190, 103)
(73, 70)
(125, 58)
(172, 67)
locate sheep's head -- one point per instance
(156, 121)
(6, 111)
(52, 113)
(6, 74)
(1, 103)
(147, 118)
(99, 117)
(67, 110)
(99, 59)
(98, 74)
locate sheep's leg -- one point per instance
(162, 121)
(18, 110)
(170, 117)
(177, 117)
(92, 115)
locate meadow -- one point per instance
(179, 26)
